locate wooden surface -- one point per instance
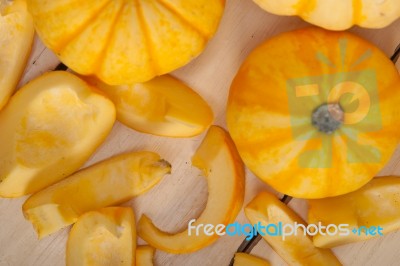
(182, 195)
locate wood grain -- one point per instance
(182, 195)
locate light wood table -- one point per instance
(182, 195)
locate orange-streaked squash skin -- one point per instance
(278, 88)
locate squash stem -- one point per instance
(328, 117)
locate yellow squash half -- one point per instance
(126, 41)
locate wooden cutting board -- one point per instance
(182, 195)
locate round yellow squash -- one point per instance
(126, 41)
(337, 14)
(315, 113)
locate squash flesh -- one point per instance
(50, 127)
(107, 183)
(144, 256)
(218, 159)
(163, 106)
(103, 237)
(244, 259)
(298, 249)
(16, 37)
(375, 204)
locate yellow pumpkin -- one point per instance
(315, 113)
(337, 14)
(123, 41)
